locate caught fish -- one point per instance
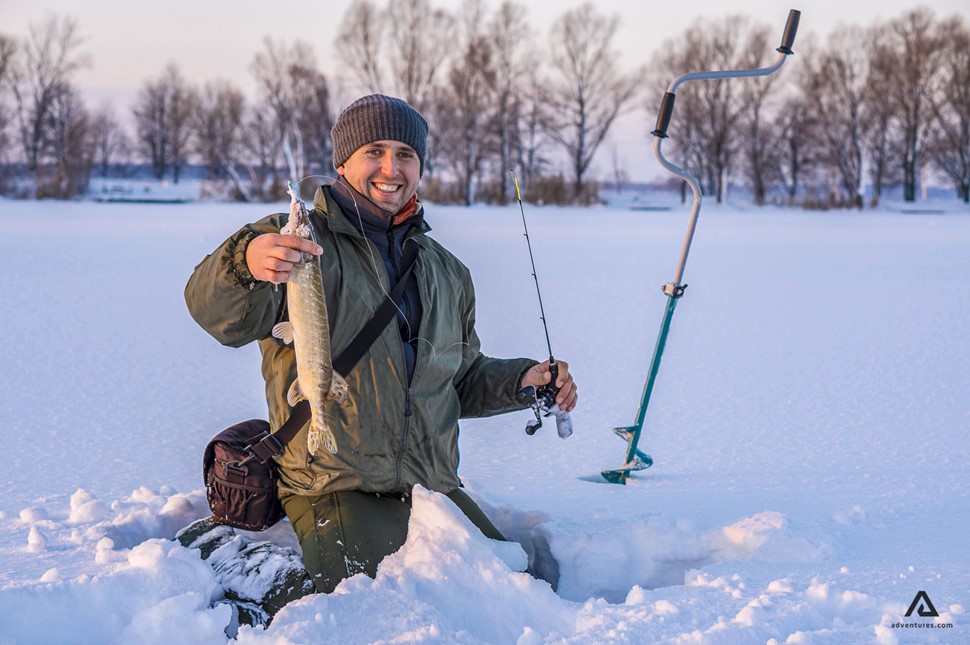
(308, 329)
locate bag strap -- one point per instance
(273, 444)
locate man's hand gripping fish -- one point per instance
(309, 331)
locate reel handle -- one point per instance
(527, 396)
(564, 423)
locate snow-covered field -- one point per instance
(809, 426)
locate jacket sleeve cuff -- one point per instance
(518, 383)
(238, 266)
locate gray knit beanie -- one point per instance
(375, 118)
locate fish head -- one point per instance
(298, 223)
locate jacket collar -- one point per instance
(344, 211)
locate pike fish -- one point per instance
(308, 329)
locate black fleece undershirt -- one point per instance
(376, 225)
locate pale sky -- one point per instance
(131, 42)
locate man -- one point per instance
(400, 426)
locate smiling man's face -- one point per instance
(385, 172)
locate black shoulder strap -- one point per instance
(273, 444)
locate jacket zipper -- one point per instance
(405, 435)
(404, 441)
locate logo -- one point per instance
(923, 606)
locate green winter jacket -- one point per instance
(389, 436)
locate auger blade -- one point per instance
(640, 460)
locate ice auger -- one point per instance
(635, 459)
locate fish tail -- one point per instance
(313, 439)
(329, 441)
(320, 434)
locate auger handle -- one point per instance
(663, 118)
(791, 27)
(667, 104)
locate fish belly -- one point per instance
(307, 306)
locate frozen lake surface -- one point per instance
(809, 428)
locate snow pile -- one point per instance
(609, 560)
(156, 592)
(447, 584)
(91, 527)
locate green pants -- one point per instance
(346, 533)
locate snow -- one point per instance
(809, 431)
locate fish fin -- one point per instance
(284, 331)
(338, 389)
(295, 394)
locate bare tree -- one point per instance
(950, 140)
(507, 31)
(41, 76)
(798, 145)
(150, 112)
(836, 84)
(110, 144)
(262, 145)
(183, 104)
(909, 59)
(731, 44)
(217, 132)
(298, 96)
(880, 122)
(421, 40)
(162, 112)
(314, 119)
(8, 53)
(361, 33)
(71, 143)
(529, 133)
(8, 50)
(461, 112)
(759, 146)
(271, 68)
(586, 92)
(464, 106)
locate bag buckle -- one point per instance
(264, 447)
(235, 472)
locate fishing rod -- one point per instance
(636, 459)
(542, 400)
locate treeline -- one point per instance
(882, 106)
(878, 106)
(476, 75)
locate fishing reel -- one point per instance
(542, 400)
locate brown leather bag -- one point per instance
(241, 487)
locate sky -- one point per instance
(129, 43)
